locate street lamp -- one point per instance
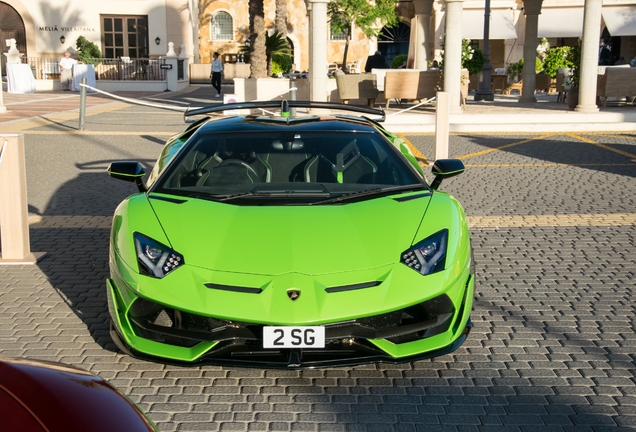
(157, 40)
(62, 39)
(484, 92)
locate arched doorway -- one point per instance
(11, 27)
(394, 41)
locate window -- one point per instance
(336, 35)
(125, 36)
(221, 27)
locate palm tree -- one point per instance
(280, 24)
(275, 44)
(258, 59)
(368, 16)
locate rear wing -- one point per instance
(285, 106)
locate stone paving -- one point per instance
(553, 347)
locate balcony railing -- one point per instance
(105, 69)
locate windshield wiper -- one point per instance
(276, 194)
(372, 192)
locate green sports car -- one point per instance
(288, 241)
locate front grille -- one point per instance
(241, 340)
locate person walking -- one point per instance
(66, 70)
(216, 73)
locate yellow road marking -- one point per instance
(563, 220)
(603, 146)
(528, 221)
(490, 150)
(416, 152)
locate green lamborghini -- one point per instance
(276, 240)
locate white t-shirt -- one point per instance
(217, 66)
(67, 63)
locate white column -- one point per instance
(318, 50)
(589, 56)
(171, 74)
(453, 53)
(422, 21)
(532, 9)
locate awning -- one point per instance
(561, 22)
(620, 20)
(501, 25)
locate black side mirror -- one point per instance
(445, 168)
(128, 171)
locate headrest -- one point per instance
(294, 145)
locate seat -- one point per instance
(543, 83)
(285, 161)
(510, 86)
(350, 167)
(331, 68)
(238, 166)
(354, 67)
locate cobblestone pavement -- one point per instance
(553, 346)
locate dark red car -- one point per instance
(39, 396)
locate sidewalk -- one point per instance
(504, 114)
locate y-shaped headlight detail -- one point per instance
(154, 258)
(429, 255)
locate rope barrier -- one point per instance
(413, 107)
(167, 107)
(134, 101)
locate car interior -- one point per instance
(313, 158)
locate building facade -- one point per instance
(120, 28)
(224, 27)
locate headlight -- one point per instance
(154, 258)
(429, 255)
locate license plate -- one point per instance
(293, 337)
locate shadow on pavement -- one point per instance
(77, 261)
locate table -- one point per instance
(20, 78)
(83, 71)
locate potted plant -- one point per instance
(557, 58)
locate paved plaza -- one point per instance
(553, 347)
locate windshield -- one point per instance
(288, 167)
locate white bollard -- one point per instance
(14, 215)
(442, 129)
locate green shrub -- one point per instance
(555, 59)
(475, 62)
(281, 64)
(87, 51)
(398, 60)
(515, 69)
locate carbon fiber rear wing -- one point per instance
(285, 105)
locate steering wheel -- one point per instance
(239, 162)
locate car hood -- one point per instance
(274, 240)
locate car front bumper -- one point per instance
(149, 330)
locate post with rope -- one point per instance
(2, 107)
(14, 215)
(292, 95)
(82, 112)
(442, 128)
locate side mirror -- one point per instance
(445, 168)
(128, 171)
